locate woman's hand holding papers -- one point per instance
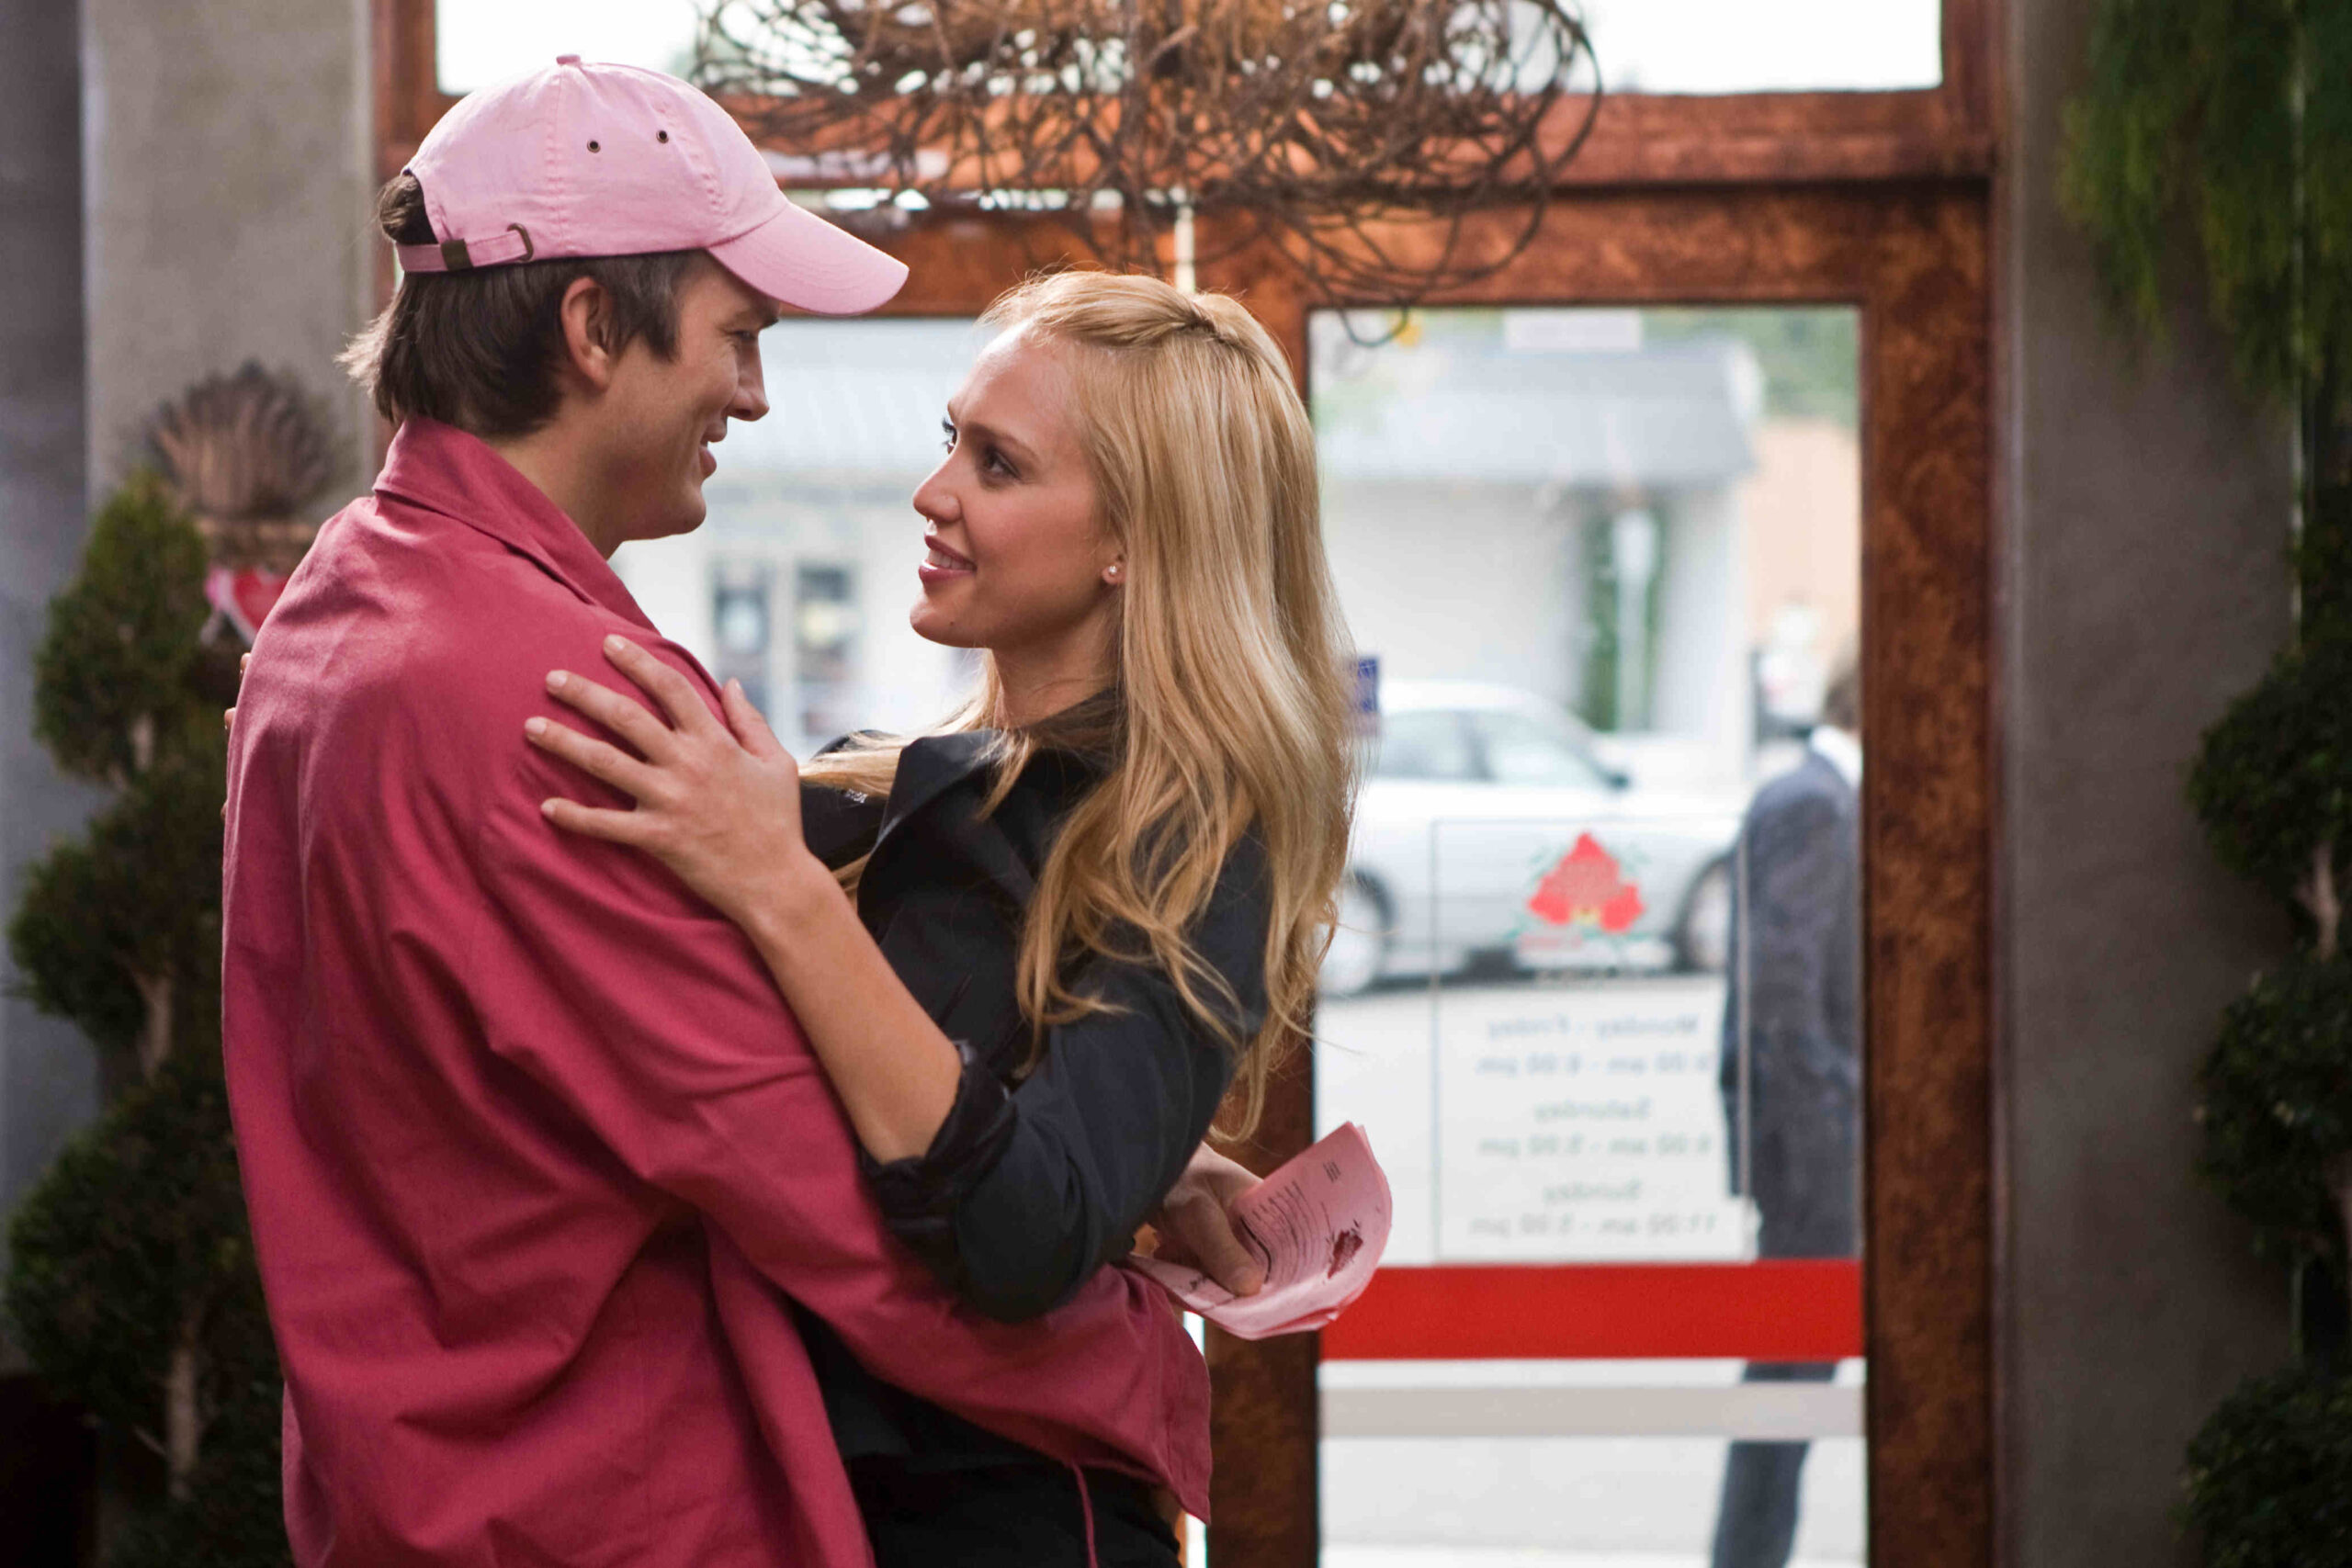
(1194, 1223)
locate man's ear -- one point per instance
(586, 314)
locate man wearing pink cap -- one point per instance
(533, 1153)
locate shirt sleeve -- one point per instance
(1025, 1193)
(601, 979)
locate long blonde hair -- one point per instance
(1236, 706)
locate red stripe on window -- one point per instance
(1782, 1310)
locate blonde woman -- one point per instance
(1089, 904)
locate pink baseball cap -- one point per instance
(614, 161)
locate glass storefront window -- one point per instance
(1735, 46)
(1596, 1005)
(1554, 1005)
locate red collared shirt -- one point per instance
(533, 1148)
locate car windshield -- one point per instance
(1428, 745)
(1523, 750)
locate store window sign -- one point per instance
(1587, 888)
(1583, 1123)
(1589, 907)
(1580, 1118)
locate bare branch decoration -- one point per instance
(1309, 124)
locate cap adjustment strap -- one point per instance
(463, 255)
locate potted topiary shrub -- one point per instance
(131, 1286)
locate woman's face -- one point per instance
(1016, 559)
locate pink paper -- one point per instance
(1318, 1224)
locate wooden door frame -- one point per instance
(1915, 259)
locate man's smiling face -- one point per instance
(659, 417)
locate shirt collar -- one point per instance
(1840, 750)
(442, 470)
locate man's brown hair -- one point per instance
(478, 349)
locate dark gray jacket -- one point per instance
(1800, 939)
(1034, 1181)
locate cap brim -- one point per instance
(807, 263)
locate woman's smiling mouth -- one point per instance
(940, 563)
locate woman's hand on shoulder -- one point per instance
(719, 804)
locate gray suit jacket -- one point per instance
(1802, 871)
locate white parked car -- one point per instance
(1490, 832)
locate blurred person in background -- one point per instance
(1795, 989)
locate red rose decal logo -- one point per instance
(1587, 887)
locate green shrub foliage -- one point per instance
(137, 1235)
(2270, 1475)
(130, 1283)
(137, 902)
(2273, 781)
(2276, 1103)
(231, 1517)
(2324, 560)
(2238, 118)
(122, 654)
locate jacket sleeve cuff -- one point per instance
(918, 1196)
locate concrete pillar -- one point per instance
(229, 189)
(2143, 585)
(182, 188)
(48, 1080)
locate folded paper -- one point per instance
(1318, 1226)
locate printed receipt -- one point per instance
(1319, 1225)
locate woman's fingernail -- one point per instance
(534, 727)
(614, 645)
(546, 808)
(555, 680)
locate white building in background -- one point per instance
(1543, 499)
(1534, 498)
